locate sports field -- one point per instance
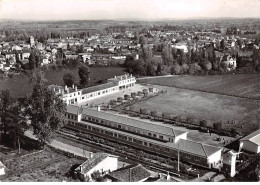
(241, 85)
(208, 106)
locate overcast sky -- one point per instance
(120, 9)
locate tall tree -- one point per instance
(167, 54)
(83, 75)
(45, 110)
(68, 79)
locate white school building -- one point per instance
(73, 95)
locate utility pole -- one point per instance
(178, 158)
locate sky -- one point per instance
(126, 9)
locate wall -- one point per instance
(216, 157)
(249, 146)
(182, 136)
(109, 163)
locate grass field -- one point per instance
(18, 86)
(241, 85)
(208, 106)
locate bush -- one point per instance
(112, 102)
(133, 95)
(153, 113)
(127, 97)
(150, 89)
(166, 115)
(120, 99)
(203, 123)
(217, 126)
(144, 111)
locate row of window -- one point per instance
(127, 128)
(71, 116)
(97, 94)
(135, 141)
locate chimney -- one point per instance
(76, 88)
(121, 77)
(65, 88)
(73, 86)
(80, 169)
(131, 75)
(136, 57)
(59, 90)
(115, 76)
(168, 176)
(90, 155)
(98, 108)
(62, 91)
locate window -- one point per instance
(102, 121)
(130, 139)
(119, 126)
(149, 134)
(161, 137)
(99, 93)
(115, 135)
(145, 143)
(154, 135)
(78, 93)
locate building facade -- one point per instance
(156, 138)
(73, 95)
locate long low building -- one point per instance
(73, 95)
(157, 138)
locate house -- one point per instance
(181, 46)
(45, 61)
(251, 142)
(25, 55)
(101, 162)
(2, 169)
(130, 173)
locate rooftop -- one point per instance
(186, 146)
(92, 162)
(133, 122)
(253, 137)
(98, 87)
(130, 173)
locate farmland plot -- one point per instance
(240, 85)
(208, 106)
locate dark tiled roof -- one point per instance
(133, 122)
(98, 87)
(196, 148)
(131, 173)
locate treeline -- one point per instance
(175, 61)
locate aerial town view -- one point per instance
(129, 91)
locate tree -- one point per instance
(84, 75)
(133, 94)
(153, 113)
(150, 71)
(167, 54)
(143, 40)
(203, 123)
(12, 124)
(68, 79)
(217, 126)
(159, 69)
(144, 111)
(120, 99)
(45, 110)
(126, 97)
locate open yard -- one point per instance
(42, 166)
(19, 86)
(206, 106)
(241, 85)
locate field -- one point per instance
(208, 106)
(42, 166)
(241, 85)
(19, 86)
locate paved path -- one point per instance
(149, 77)
(69, 148)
